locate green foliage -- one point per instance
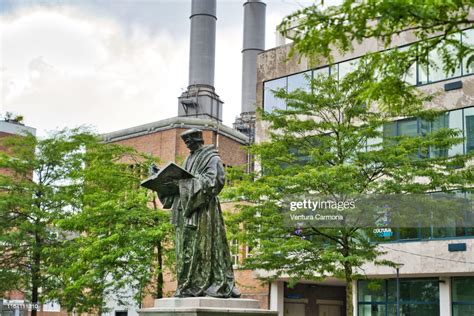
(75, 204)
(317, 31)
(331, 142)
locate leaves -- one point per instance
(77, 202)
(334, 142)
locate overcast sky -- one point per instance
(113, 64)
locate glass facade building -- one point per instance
(418, 297)
(462, 291)
(419, 74)
(437, 278)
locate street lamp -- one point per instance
(398, 266)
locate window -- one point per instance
(234, 252)
(467, 38)
(455, 122)
(300, 81)
(439, 123)
(463, 296)
(436, 70)
(270, 102)
(408, 127)
(469, 128)
(324, 72)
(418, 297)
(410, 76)
(461, 120)
(347, 67)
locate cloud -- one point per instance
(61, 67)
(114, 65)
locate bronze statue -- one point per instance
(204, 265)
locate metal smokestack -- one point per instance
(203, 43)
(254, 43)
(200, 99)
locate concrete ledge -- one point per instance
(205, 306)
(195, 302)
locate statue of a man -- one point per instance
(204, 265)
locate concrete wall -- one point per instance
(274, 63)
(425, 258)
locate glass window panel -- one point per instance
(426, 233)
(347, 67)
(408, 127)
(410, 76)
(436, 71)
(419, 309)
(324, 72)
(333, 70)
(409, 233)
(468, 39)
(374, 143)
(270, 102)
(469, 128)
(390, 129)
(392, 290)
(419, 290)
(300, 81)
(463, 310)
(371, 291)
(456, 122)
(463, 289)
(440, 122)
(443, 232)
(372, 310)
(422, 73)
(391, 310)
(470, 215)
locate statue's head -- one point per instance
(193, 139)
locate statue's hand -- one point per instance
(153, 169)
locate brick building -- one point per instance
(10, 303)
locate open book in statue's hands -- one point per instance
(165, 181)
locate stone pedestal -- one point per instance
(205, 306)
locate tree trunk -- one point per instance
(35, 275)
(159, 278)
(159, 259)
(348, 275)
(349, 305)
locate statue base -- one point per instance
(205, 306)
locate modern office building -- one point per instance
(437, 265)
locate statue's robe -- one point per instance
(204, 265)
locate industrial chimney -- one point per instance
(200, 99)
(254, 43)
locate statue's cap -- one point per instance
(193, 133)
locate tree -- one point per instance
(35, 193)
(317, 30)
(75, 225)
(124, 237)
(330, 143)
